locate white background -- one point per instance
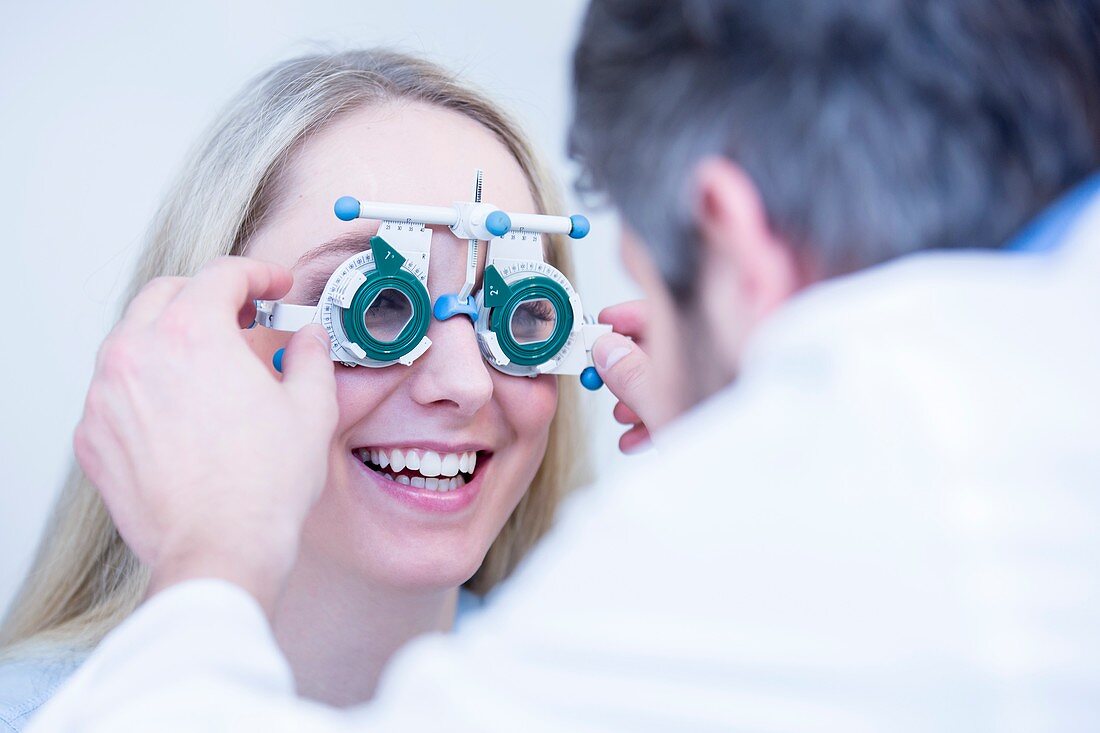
(99, 103)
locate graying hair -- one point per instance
(872, 128)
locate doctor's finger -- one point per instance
(635, 440)
(151, 300)
(629, 318)
(624, 415)
(226, 287)
(627, 372)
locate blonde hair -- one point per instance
(84, 579)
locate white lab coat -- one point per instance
(892, 522)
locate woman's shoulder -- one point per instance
(29, 677)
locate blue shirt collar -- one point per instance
(1045, 232)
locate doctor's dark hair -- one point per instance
(872, 128)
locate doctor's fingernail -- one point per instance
(610, 349)
(615, 356)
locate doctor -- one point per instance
(877, 509)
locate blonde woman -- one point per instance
(374, 569)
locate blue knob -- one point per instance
(591, 379)
(346, 208)
(277, 360)
(498, 223)
(449, 306)
(581, 227)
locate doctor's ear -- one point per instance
(739, 253)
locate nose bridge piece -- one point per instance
(450, 305)
(453, 370)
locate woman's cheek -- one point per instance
(529, 404)
(359, 390)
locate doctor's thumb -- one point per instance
(309, 375)
(626, 371)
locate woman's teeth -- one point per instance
(437, 484)
(430, 470)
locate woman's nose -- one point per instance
(452, 372)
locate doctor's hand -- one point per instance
(626, 370)
(207, 462)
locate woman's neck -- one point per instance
(338, 633)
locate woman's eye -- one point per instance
(385, 318)
(533, 321)
(387, 302)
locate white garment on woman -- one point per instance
(890, 523)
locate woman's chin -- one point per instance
(425, 579)
(384, 550)
(417, 558)
(419, 569)
(391, 536)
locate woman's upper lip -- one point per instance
(433, 445)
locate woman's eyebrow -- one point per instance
(310, 287)
(345, 244)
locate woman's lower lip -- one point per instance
(427, 500)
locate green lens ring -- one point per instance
(533, 288)
(414, 331)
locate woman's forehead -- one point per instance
(398, 153)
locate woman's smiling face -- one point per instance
(447, 406)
